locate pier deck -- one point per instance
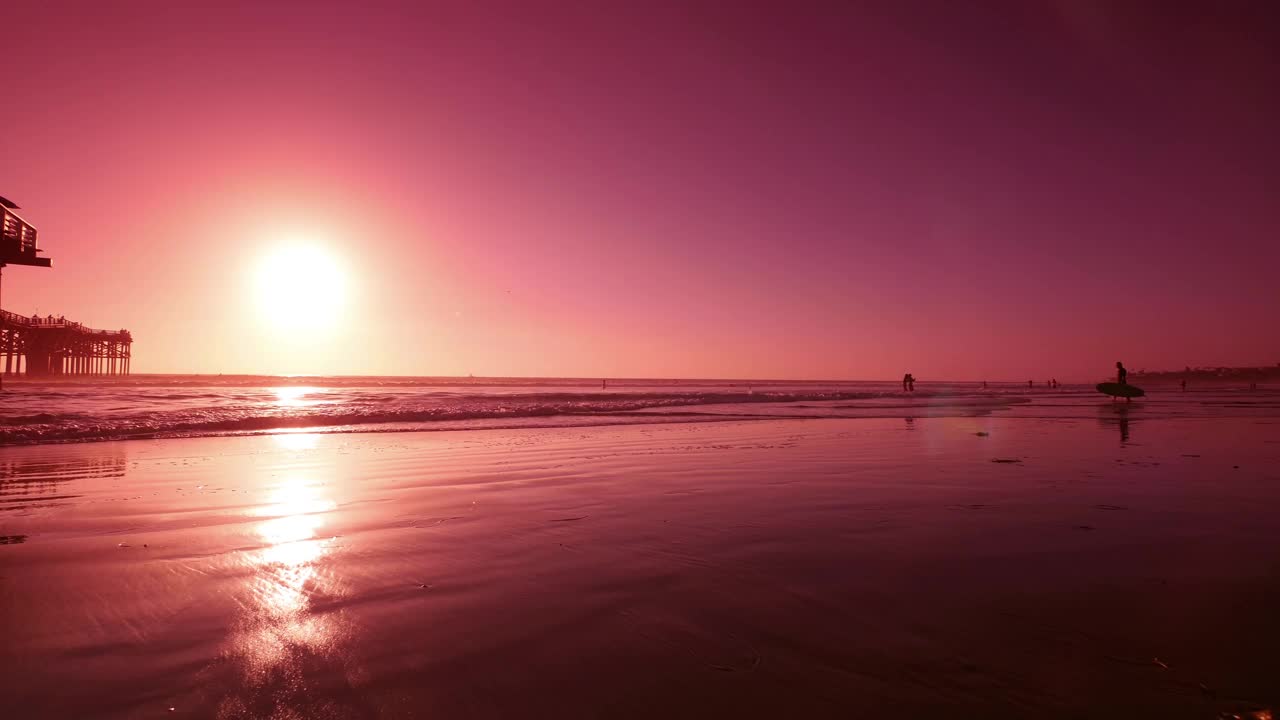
(44, 346)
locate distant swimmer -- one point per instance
(1184, 386)
(984, 384)
(1122, 375)
(1055, 383)
(908, 383)
(1030, 384)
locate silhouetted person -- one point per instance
(984, 384)
(1030, 384)
(1184, 386)
(908, 383)
(1055, 384)
(1122, 375)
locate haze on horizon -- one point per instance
(1021, 190)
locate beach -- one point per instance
(1107, 564)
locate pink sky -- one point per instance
(1026, 191)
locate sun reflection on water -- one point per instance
(296, 395)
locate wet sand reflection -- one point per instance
(283, 649)
(37, 479)
(1117, 416)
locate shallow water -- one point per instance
(1113, 563)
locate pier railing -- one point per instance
(36, 322)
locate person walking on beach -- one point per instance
(908, 383)
(1122, 375)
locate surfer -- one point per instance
(1122, 375)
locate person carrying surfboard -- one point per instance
(1121, 387)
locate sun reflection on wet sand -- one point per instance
(287, 566)
(280, 638)
(293, 440)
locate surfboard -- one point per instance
(1118, 390)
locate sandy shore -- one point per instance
(837, 568)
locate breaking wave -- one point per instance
(130, 412)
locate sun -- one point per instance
(300, 287)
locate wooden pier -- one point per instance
(48, 346)
(52, 346)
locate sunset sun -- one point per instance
(300, 287)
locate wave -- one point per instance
(166, 416)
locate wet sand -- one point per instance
(1098, 567)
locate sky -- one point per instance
(989, 190)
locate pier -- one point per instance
(48, 346)
(52, 346)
